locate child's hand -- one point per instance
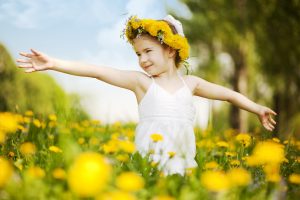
(265, 117)
(36, 61)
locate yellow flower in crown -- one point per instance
(159, 29)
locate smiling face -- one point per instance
(154, 58)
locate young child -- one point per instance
(164, 97)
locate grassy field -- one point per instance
(48, 159)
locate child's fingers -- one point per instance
(25, 66)
(272, 112)
(272, 120)
(25, 54)
(23, 61)
(35, 52)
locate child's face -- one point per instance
(153, 56)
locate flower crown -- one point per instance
(159, 29)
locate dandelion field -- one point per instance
(46, 158)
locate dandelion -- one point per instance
(163, 197)
(81, 140)
(116, 195)
(6, 171)
(235, 163)
(9, 122)
(244, 139)
(276, 140)
(222, 144)
(36, 172)
(88, 174)
(55, 149)
(127, 146)
(266, 152)
(37, 123)
(130, 182)
(239, 177)
(211, 165)
(294, 178)
(52, 117)
(230, 154)
(122, 157)
(215, 180)
(59, 173)
(27, 148)
(171, 154)
(29, 113)
(156, 137)
(272, 172)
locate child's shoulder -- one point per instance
(191, 81)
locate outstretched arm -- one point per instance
(209, 90)
(38, 61)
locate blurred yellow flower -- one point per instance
(130, 182)
(35, 172)
(222, 144)
(59, 173)
(55, 149)
(29, 113)
(156, 137)
(215, 180)
(27, 148)
(88, 174)
(230, 154)
(2, 137)
(123, 157)
(235, 163)
(81, 140)
(6, 171)
(110, 147)
(266, 152)
(244, 139)
(9, 122)
(239, 177)
(171, 154)
(52, 117)
(94, 141)
(294, 178)
(211, 165)
(116, 195)
(272, 172)
(127, 146)
(37, 123)
(163, 197)
(276, 140)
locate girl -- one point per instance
(164, 97)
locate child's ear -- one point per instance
(172, 52)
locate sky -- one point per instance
(87, 31)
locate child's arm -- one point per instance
(38, 61)
(209, 90)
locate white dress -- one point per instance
(172, 116)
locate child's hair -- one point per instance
(162, 30)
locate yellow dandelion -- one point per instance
(211, 165)
(52, 117)
(94, 141)
(6, 171)
(59, 173)
(29, 113)
(230, 154)
(130, 182)
(163, 197)
(35, 172)
(156, 137)
(9, 122)
(55, 149)
(244, 139)
(235, 163)
(294, 178)
(272, 172)
(116, 195)
(2, 137)
(81, 140)
(215, 180)
(127, 146)
(239, 177)
(37, 123)
(27, 148)
(276, 140)
(88, 174)
(222, 144)
(123, 157)
(171, 154)
(266, 152)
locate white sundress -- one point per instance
(172, 116)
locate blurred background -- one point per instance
(252, 47)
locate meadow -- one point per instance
(48, 158)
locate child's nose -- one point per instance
(143, 58)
